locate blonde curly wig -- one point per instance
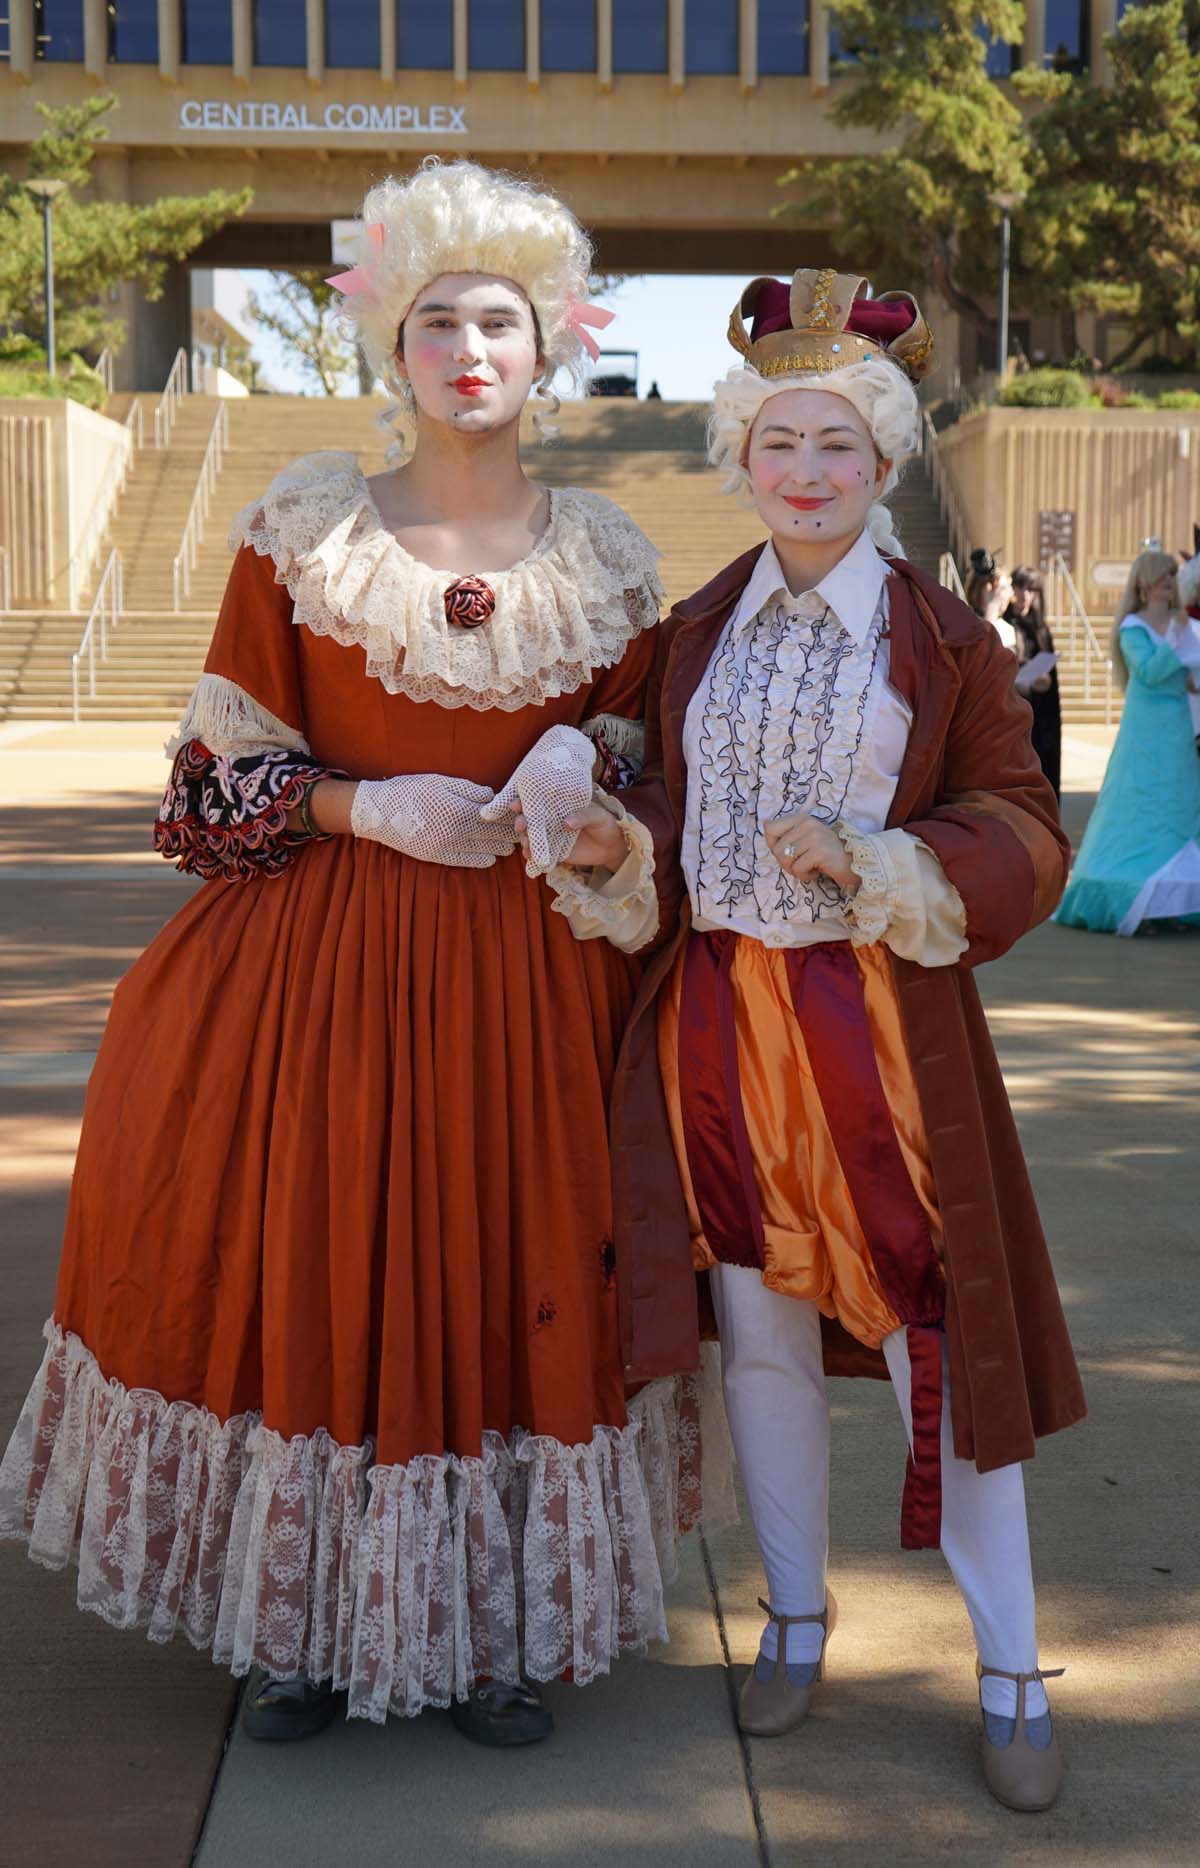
(881, 394)
(460, 217)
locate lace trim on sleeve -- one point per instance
(629, 918)
(871, 909)
(231, 722)
(227, 816)
(621, 745)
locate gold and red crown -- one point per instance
(824, 321)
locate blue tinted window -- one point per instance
(133, 31)
(425, 35)
(1002, 59)
(496, 35)
(279, 33)
(711, 36)
(352, 34)
(568, 35)
(782, 37)
(207, 32)
(1123, 7)
(1067, 34)
(639, 35)
(58, 29)
(841, 50)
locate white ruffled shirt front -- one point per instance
(795, 713)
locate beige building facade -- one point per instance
(665, 123)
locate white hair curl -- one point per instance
(878, 391)
(461, 217)
(1189, 582)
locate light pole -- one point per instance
(1006, 204)
(46, 192)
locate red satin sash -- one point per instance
(827, 995)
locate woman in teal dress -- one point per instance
(1140, 856)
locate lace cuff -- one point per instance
(870, 910)
(227, 816)
(620, 906)
(905, 897)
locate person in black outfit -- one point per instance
(1025, 613)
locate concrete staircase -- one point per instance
(649, 457)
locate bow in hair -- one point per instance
(579, 315)
(360, 278)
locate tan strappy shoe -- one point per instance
(768, 1708)
(1018, 1775)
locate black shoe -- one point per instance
(286, 1708)
(503, 1714)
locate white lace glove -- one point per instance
(553, 780)
(434, 818)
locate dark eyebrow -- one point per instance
(489, 311)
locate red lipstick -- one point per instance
(470, 385)
(805, 505)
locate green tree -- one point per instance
(1112, 220)
(97, 244)
(303, 316)
(920, 210)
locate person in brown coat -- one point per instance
(841, 814)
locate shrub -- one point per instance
(75, 379)
(1178, 399)
(1046, 389)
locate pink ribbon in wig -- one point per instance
(580, 314)
(360, 278)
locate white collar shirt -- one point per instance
(794, 713)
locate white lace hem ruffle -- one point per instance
(573, 605)
(403, 1584)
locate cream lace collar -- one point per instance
(573, 605)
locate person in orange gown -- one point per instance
(333, 1384)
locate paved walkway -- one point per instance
(111, 1750)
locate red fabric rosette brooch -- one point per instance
(469, 602)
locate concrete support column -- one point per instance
(748, 45)
(158, 330)
(818, 47)
(1103, 21)
(95, 38)
(1033, 48)
(677, 43)
(533, 43)
(169, 41)
(387, 41)
(243, 40)
(314, 35)
(20, 39)
(462, 50)
(604, 44)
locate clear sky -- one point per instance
(675, 323)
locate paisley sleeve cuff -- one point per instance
(616, 905)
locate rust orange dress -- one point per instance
(333, 1381)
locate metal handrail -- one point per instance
(948, 575)
(939, 477)
(1075, 611)
(112, 484)
(189, 545)
(167, 406)
(5, 581)
(107, 605)
(104, 369)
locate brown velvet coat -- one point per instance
(971, 788)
